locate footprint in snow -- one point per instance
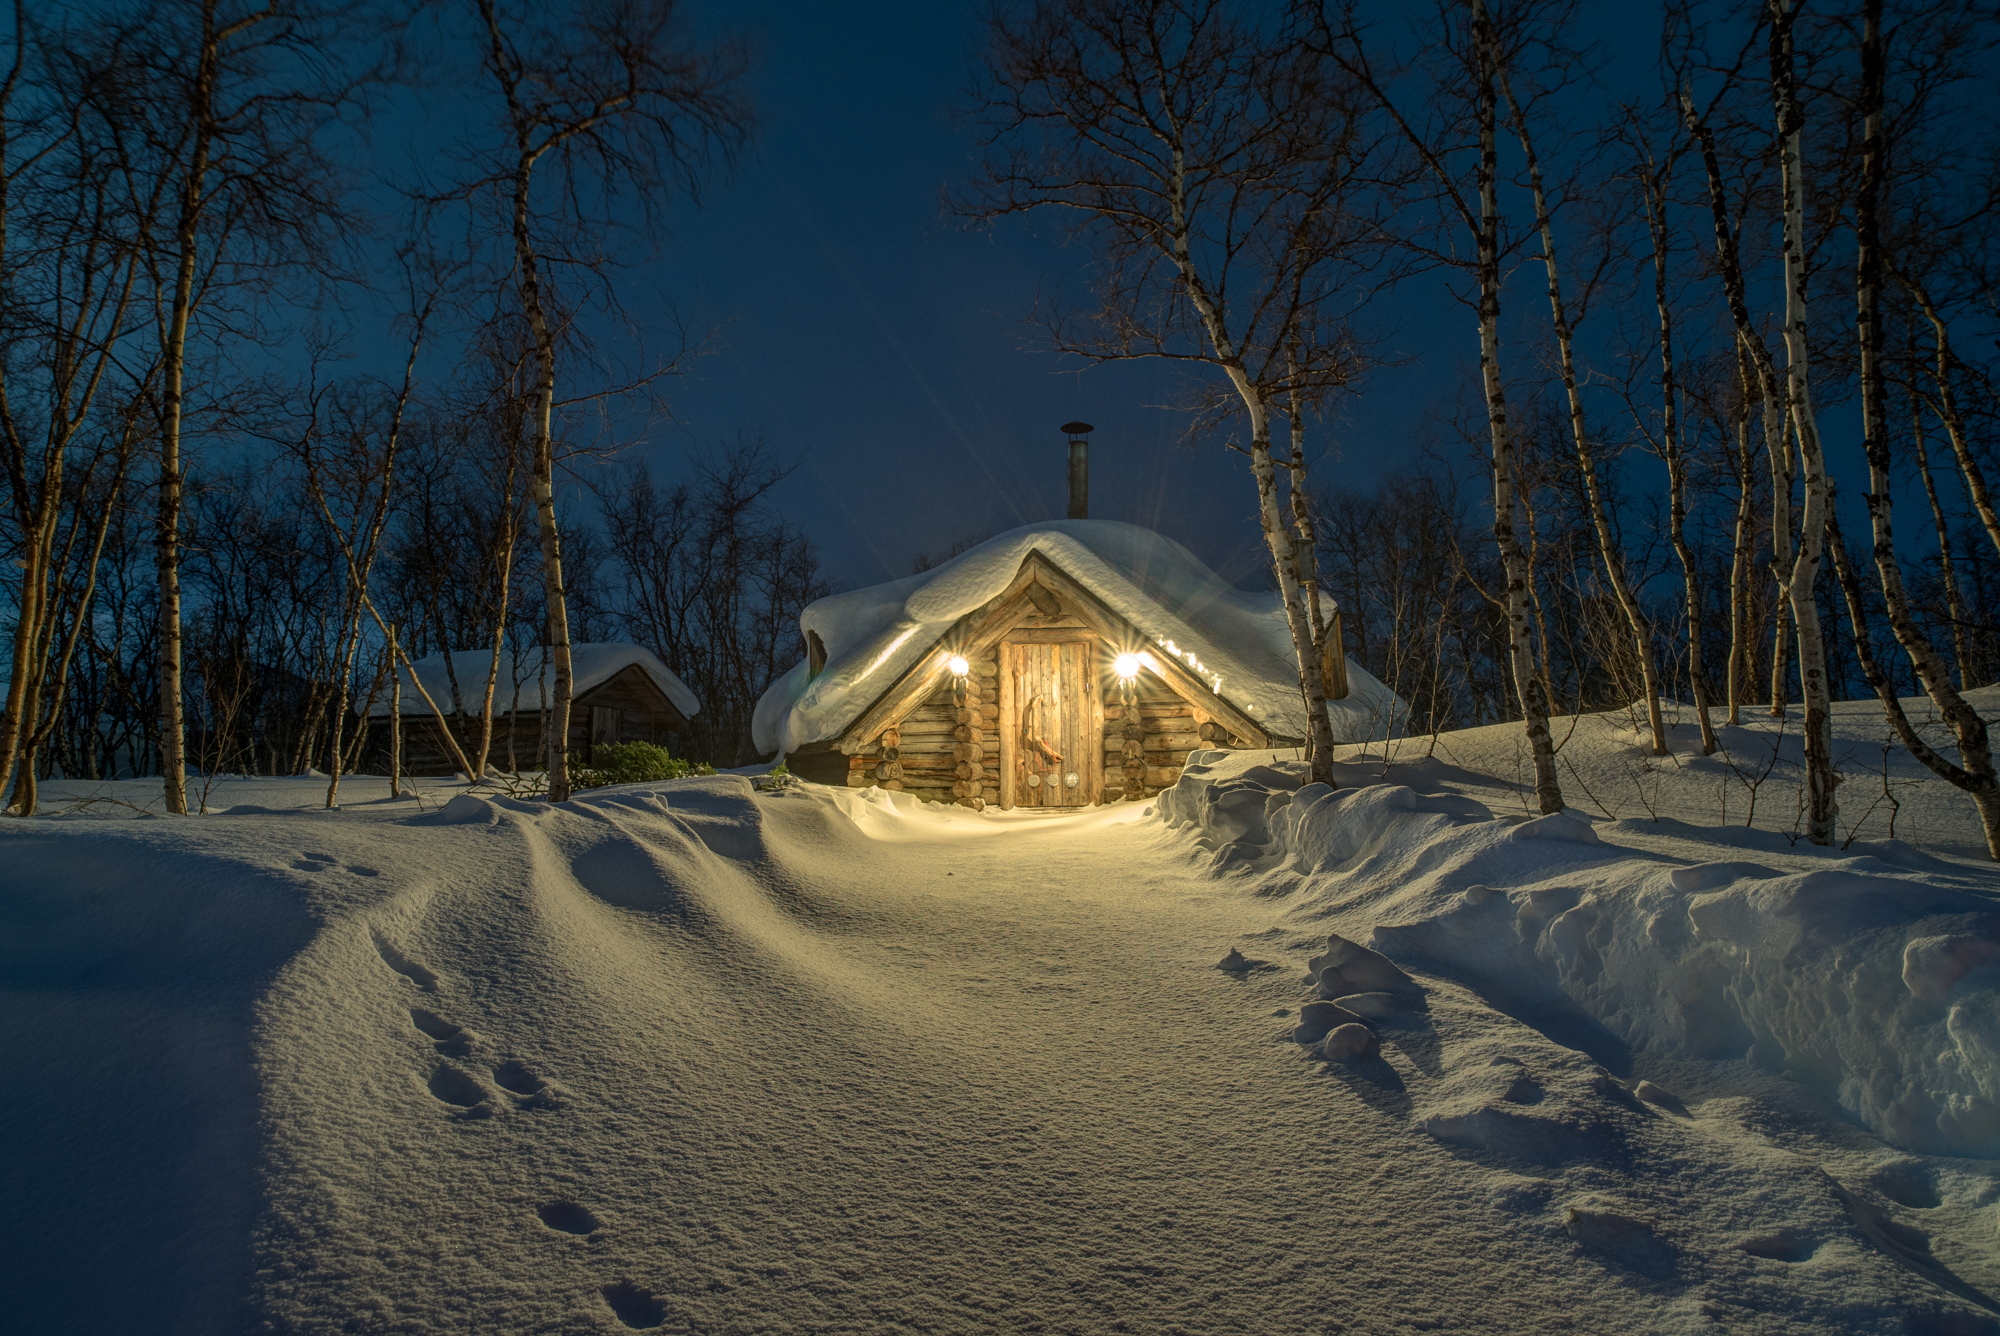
(452, 1039)
(635, 1307)
(1781, 1245)
(311, 862)
(514, 1075)
(451, 1086)
(568, 1217)
(412, 970)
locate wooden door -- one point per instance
(1056, 723)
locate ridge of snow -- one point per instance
(591, 666)
(1870, 976)
(1236, 640)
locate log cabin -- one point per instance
(619, 693)
(1059, 665)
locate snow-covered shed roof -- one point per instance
(529, 667)
(1235, 640)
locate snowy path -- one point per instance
(711, 1061)
(984, 1080)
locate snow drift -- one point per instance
(1239, 640)
(1870, 976)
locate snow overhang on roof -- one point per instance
(1237, 642)
(526, 669)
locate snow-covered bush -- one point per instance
(631, 763)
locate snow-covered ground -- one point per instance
(709, 1058)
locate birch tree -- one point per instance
(601, 105)
(1801, 580)
(365, 440)
(1974, 773)
(1769, 384)
(1609, 551)
(1652, 175)
(69, 410)
(219, 112)
(1223, 176)
(1471, 58)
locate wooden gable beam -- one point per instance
(1086, 606)
(972, 635)
(901, 697)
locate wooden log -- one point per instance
(895, 785)
(1164, 741)
(1162, 776)
(891, 737)
(1008, 722)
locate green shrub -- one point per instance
(631, 763)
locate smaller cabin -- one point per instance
(619, 693)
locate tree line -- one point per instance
(305, 308)
(1705, 282)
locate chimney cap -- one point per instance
(1078, 428)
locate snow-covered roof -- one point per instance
(529, 666)
(1235, 640)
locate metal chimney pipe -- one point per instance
(1079, 469)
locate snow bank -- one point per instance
(592, 665)
(1871, 976)
(1237, 641)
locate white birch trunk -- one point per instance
(1974, 772)
(1520, 654)
(1586, 461)
(1821, 806)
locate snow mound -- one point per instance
(592, 665)
(1872, 979)
(1239, 640)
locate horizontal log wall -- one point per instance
(1140, 761)
(946, 749)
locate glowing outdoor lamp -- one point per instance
(1126, 666)
(959, 667)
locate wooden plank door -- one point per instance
(1055, 724)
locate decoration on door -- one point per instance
(1040, 755)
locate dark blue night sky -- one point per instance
(875, 338)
